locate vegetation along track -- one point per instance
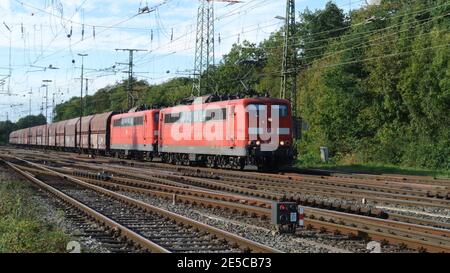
(149, 227)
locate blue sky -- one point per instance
(39, 31)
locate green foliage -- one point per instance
(6, 127)
(317, 29)
(30, 121)
(380, 93)
(21, 230)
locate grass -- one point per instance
(21, 228)
(376, 168)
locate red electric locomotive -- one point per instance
(227, 133)
(135, 134)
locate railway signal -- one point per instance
(285, 216)
(301, 216)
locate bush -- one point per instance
(21, 229)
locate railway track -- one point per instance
(148, 227)
(428, 185)
(254, 185)
(379, 191)
(218, 180)
(274, 188)
(413, 236)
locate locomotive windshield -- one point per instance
(283, 110)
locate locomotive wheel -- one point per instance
(211, 162)
(164, 158)
(241, 164)
(180, 159)
(186, 160)
(150, 157)
(172, 159)
(224, 163)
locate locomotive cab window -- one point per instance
(216, 114)
(282, 110)
(171, 117)
(256, 109)
(117, 123)
(131, 121)
(138, 121)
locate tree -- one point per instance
(6, 127)
(30, 121)
(318, 29)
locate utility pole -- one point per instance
(131, 99)
(46, 97)
(53, 107)
(81, 93)
(87, 89)
(86, 93)
(29, 106)
(289, 65)
(204, 45)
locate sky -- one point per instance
(38, 35)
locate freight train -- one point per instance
(207, 131)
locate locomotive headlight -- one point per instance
(282, 143)
(258, 143)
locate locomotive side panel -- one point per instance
(208, 129)
(135, 131)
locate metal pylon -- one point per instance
(289, 66)
(204, 49)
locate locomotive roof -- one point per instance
(234, 102)
(134, 114)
